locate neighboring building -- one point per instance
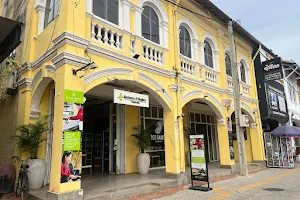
(11, 35)
(151, 47)
(291, 73)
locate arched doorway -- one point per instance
(107, 145)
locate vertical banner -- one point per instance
(72, 131)
(199, 170)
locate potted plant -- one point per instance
(28, 139)
(141, 139)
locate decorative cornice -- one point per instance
(44, 58)
(253, 125)
(35, 79)
(226, 103)
(156, 85)
(25, 68)
(221, 122)
(200, 84)
(68, 38)
(34, 114)
(111, 55)
(68, 58)
(50, 68)
(106, 72)
(24, 82)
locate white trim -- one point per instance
(162, 17)
(193, 36)
(215, 49)
(244, 60)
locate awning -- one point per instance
(9, 36)
(286, 131)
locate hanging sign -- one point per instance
(131, 98)
(272, 69)
(199, 171)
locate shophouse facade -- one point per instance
(178, 59)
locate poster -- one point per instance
(273, 100)
(198, 160)
(157, 136)
(71, 142)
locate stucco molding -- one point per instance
(221, 122)
(105, 73)
(34, 114)
(253, 125)
(173, 88)
(122, 59)
(215, 101)
(68, 58)
(68, 38)
(226, 103)
(51, 68)
(156, 85)
(36, 78)
(190, 94)
(48, 55)
(25, 68)
(24, 82)
(197, 83)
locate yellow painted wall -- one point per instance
(248, 148)
(132, 119)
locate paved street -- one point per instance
(254, 187)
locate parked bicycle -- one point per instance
(22, 187)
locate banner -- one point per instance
(131, 98)
(272, 69)
(198, 160)
(71, 141)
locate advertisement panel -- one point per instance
(131, 98)
(198, 160)
(272, 69)
(71, 142)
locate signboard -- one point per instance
(199, 171)
(157, 136)
(72, 141)
(276, 100)
(72, 96)
(272, 69)
(131, 98)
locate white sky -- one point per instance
(276, 23)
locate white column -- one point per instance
(40, 9)
(89, 6)
(124, 17)
(202, 45)
(164, 33)
(195, 45)
(138, 20)
(216, 59)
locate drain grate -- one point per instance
(274, 189)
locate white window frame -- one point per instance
(193, 37)
(215, 50)
(247, 70)
(124, 14)
(162, 17)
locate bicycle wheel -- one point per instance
(19, 185)
(25, 187)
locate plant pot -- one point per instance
(7, 178)
(143, 163)
(37, 172)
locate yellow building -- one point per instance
(152, 47)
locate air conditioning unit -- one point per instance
(244, 121)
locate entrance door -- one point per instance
(49, 136)
(206, 124)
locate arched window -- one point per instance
(208, 55)
(228, 64)
(243, 72)
(150, 24)
(51, 11)
(185, 42)
(107, 9)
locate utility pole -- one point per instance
(237, 108)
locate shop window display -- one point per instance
(153, 117)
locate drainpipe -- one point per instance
(177, 77)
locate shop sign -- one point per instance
(157, 136)
(131, 98)
(72, 96)
(72, 141)
(277, 102)
(272, 69)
